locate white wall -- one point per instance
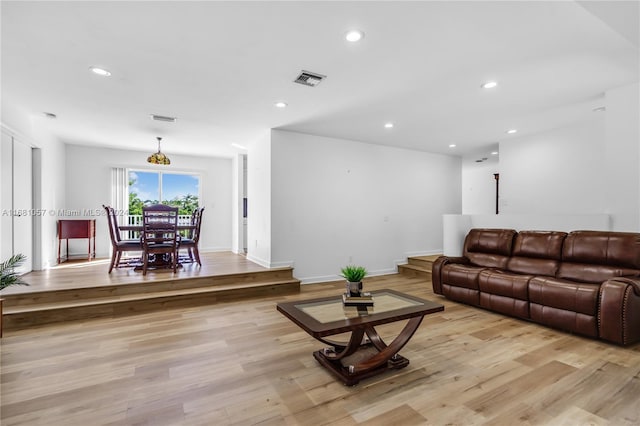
(336, 202)
(32, 129)
(88, 182)
(237, 184)
(479, 187)
(556, 172)
(585, 176)
(259, 201)
(621, 172)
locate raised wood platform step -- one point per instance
(418, 266)
(43, 307)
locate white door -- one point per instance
(6, 197)
(22, 203)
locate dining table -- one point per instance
(139, 228)
(158, 263)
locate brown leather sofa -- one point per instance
(584, 282)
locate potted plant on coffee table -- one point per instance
(354, 275)
(9, 276)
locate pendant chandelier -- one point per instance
(159, 157)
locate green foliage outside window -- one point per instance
(186, 203)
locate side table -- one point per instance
(77, 228)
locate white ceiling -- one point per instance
(219, 67)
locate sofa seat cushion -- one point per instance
(504, 292)
(592, 273)
(528, 265)
(460, 275)
(460, 283)
(515, 286)
(564, 294)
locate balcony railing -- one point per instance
(136, 220)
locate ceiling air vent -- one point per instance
(308, 78)
(163, 118)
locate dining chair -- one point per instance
(119, 245)
(160, 236)
(191, 242)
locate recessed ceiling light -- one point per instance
(100, 71)
(494, 153)
(489, 85)
(354, 35)
(511, 131)
(388, 125)
(49, 115)
(280, 104)
(453, 145)
(599, 109)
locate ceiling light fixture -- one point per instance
(388, 126)
(599, 109)
(100, 71)
(280, 104)
(159, 157)
(166, 118)
(489, 85)
(494, 153)
(511, 131)
(453, 145)
(354, 35)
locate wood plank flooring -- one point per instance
(84, 274)
(243, 363)
(84, 290)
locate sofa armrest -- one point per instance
(619, 311)
(436, 270)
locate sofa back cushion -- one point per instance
(537, 252)
(595, 256)
(489, 247)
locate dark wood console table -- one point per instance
(77, 228)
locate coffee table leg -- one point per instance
(385, 356)
(340, 352)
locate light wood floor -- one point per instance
(85, 274)
(243, 363)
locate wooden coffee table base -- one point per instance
(364, 357)
(365, 354)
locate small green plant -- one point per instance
(8, 275)
(353, 273)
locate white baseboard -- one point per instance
(320, 279)
(257, 260)
(334, 278)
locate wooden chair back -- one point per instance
(112, 220)
(159, 225)
(196, 221)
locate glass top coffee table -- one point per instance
(365, 354)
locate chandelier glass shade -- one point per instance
(159, 157)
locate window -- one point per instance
(175, 189)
